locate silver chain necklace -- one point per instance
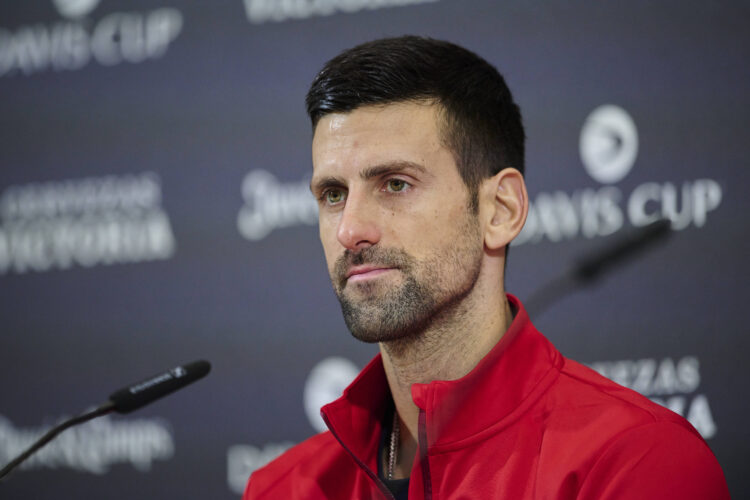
(393, 452)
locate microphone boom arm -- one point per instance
(107, 407)
(124, 400)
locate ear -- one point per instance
(503, 208)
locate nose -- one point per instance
(358, 228)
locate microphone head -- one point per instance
(140, 394)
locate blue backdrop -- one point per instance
(154, 210)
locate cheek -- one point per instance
(432, 226)
(444, 231)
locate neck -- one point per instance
(450, 348)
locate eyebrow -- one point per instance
(368, 173)
(391, 167)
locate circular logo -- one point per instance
(75, 8)
(326, 383)
(608, 144)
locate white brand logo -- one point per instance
(75, 8)
(92, 447)
(119, 37)
(326, 383)
(261, 11)
(270, 204)
(244, 459)
(608, 144)
(83, 222)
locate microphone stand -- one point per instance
(107, 407)
(593, 267)
(124, 400)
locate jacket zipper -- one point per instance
(381, 486)
(425, 465)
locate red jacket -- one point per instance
(525, 423)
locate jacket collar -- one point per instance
(508, 379)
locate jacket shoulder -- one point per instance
(656, 460)
(634, 448)
(588, 388)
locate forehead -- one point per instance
(377, 134)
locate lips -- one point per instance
(358, 273)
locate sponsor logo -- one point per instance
(71, 44)
(92, 447)
(672, 383)
(326, 383)
(609, 147)
(270, 204)
(244, 459)
(262, 11)
(608, 144)
(75, 8)
(84, 222)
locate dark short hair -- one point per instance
(481, 124)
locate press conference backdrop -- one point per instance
(154, 209)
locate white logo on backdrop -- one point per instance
(608, 144)
(116, 38)
(75, 8)
(609, 147)
(668, 382)
(83, 222)
(270, 204)
(261, 11)
(244, 459)
(326, 383)
(92, 447)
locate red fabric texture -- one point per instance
(526, 423)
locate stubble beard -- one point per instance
(430, 290)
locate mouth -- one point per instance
(362, 273)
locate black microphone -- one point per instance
(142, 393)
(125, 400)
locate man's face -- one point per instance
(402, 246)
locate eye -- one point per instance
(396, 185)
(334, 196)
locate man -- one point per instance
(417, 167)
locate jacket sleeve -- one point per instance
(656, 460)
